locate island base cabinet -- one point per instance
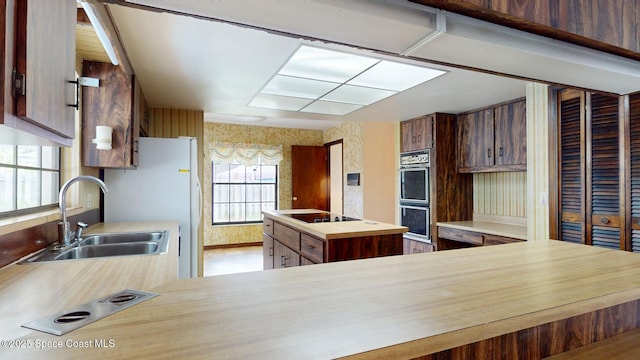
(417, 247)
(283, 257)
(286, 246)
(267, 252)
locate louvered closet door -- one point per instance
(571, 166)
(634, 119)
(603, 173)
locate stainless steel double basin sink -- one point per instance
(107, 245)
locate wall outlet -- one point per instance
(543, 199)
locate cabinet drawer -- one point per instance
(497, 240)
(460, 235)
(287, 236)
(312, 248)
(267, 226)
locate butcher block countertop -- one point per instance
(32, 291)
(493, 228)
(387, 307)
(334, 230)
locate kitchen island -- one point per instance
(309, 236)
(524, 300)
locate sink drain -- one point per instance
(72, 317)
(120, 299)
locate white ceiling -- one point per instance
(193, 62)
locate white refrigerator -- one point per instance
(164, 186)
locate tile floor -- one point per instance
(232, 260)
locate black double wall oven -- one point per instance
(414, 195)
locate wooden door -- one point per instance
(571, 167)
(603, 172)
(45, 54)
(475, 140)
(511, 136)
(633, 243)
(109, 104)
(309, 178)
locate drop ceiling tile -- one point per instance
(279, 102)
(330, 108)
(298, 87)
(395, 76)
(357, 95)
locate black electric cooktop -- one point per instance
(320, 217)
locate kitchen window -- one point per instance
(241, 192)
(29, 178)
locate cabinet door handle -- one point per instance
(310, 246)
(283, 261)
(270, 250)
(604, 220)
(501, 152)
(488, 153)
(77, 103)
(413, 139)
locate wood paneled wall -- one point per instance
(607, 25)
(171, 123)
(500, 193)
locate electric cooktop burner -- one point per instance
(321, 217)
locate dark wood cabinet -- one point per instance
(109, 104)
(591, 200)
(493, 139)
(475, 141)
(39, 44)
(450, 191)
(417, 134)
(510, 125)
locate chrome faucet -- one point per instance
(66, 234)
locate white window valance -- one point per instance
(245, 154)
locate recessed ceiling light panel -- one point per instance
(277, 102)
(298, 87)
(330, 108)
(332, 82)
(357, 95)
(321, 64)
(395, 76)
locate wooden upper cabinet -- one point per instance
(417, 134)
(493, 139)
(44, 67)
(475, 141)
(510, 139)
(109, 104)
